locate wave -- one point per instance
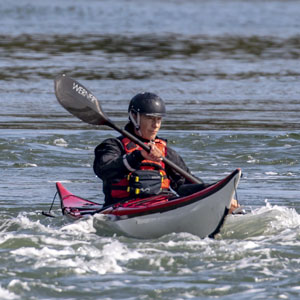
(263, 223)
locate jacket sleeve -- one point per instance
(176, 179)
(111, 162)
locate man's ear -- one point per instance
(134, 115)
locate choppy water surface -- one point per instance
(229, 73)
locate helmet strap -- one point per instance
(136, 123)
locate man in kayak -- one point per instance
(128, 171)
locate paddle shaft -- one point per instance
(137, 141)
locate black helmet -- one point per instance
(147, 103)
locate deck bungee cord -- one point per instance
(48, 214)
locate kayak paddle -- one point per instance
(80, 102)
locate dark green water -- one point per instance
(229, 73)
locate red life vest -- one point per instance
(125, 188)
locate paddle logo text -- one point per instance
(83, 92)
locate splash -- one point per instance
(60, 142)
(261, 222)
(6, 294)
(83, 226)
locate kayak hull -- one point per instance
(201, 213)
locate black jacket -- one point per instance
(109, 165)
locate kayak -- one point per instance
(201, 213)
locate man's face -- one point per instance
(149, 126)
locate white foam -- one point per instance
(16, 283)
(7, 295)
(62, 181)
(60, 242)
(108, 258)
(261, 222)
(224, 288)
(12, 236)
(271, 173)
(290, 174)
(45, 252)
(30, 165)
(251, 160)
(283, 217)
(60, 142)
(79, 227)
(25, 222)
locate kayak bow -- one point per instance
(202, 213)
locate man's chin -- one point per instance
(153, 136)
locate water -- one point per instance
(229, 73)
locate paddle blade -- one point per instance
(79, 101)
